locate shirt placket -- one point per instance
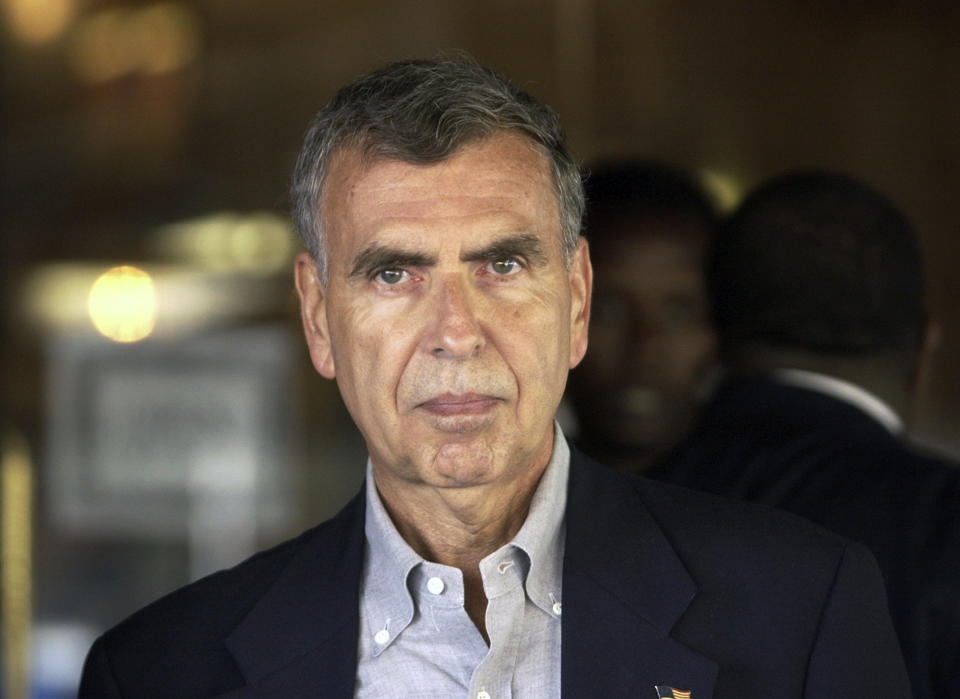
(506, 599)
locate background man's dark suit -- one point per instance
(817, 295)
(827, 460)
(651, 596)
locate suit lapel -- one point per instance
(300, 639)
(624, 588)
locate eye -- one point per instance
(504, 266)
(391, 276)
(682, 311)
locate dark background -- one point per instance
(121, 118)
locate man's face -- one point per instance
(449, 319)
(650, 338)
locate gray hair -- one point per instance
(422, 112)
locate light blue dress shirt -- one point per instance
(416, 639)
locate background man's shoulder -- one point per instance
(722, 522)
(729, 524)
(723, 541)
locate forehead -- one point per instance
(632, 239)
(503, 180)
(651, 263)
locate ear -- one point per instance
(313, 312)
(581, 288)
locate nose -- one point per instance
(456, 331)
(645, 333)
(643, 330)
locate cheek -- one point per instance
(535, 344)
(687, 354)
(396, 367)
(693, 343)
(606, 348)
(368, 348)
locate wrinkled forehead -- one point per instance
(506, 165)
(357, 155)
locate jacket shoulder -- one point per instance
(685, 514)
(179, 640)
(781, 604)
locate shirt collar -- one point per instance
(389, 560)
(844, 391)
(541, 536)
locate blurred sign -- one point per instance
(150, 438)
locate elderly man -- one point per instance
(447, 290)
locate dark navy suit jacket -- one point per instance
(830, 462)
(661, 586)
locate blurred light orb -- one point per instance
(168, 35)
(724, 189)
(123, 304)
(38, 21)
(256, 243)
(99, 50)
(148, 40)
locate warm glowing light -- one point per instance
(123, 305)
(38, 21)
(98, 51)
(156, 39)
(258, 243)
(16, 533)
(723, 187)
(168, 36)
(190, 295)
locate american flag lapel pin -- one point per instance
(665, 692)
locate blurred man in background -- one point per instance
(817, 292)
(651, 344)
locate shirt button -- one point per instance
(483, 694)
(557, 608)
(435, 585)
(381, 637)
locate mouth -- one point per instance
(450, 405)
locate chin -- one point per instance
(461, 465)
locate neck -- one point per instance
(459, 527)
(462, 540)
(442, 528)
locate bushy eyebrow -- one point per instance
(525, 246)
(377, 257)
